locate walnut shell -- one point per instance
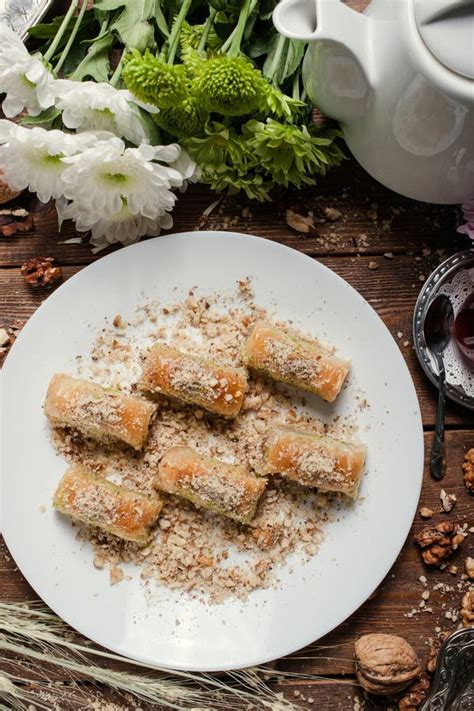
(6, 193)
(385, 663)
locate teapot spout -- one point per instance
(337, 67)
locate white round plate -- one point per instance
(360, 546)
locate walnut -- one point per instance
(13, 221)
(425, 512)
(467, 609)
(385, 663)
(6, 193)
(299, 223)
(439, 542)
(469, 568)
(332, 214)
(468, 469)
(41, 271)
(416, 695)
(435, 645)
(448, 501)
(4, 337)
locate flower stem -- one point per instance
(176, 29)
(234, 49)
(62, 29)
(229, 39)
(72, 37)
(115, 78)
(207, 29)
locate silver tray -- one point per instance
(22, 14)
(444, 273)
(453, 683)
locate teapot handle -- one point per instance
(325, 20)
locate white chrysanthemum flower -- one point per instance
(92, 106)
(185, 165)
(120, 193)
(123, 227)
(100, 179)
(24, 78)
(33, 158)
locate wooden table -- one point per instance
(376, 227)
(385, 246)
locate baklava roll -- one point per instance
(215, 387)
(227, 489)
(104, 415)
(124, 513)
(314, 460)
(284, 355)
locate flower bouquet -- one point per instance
(126, 101)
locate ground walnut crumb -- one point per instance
(115, 575)
(416, 694)
(435, 644)
(439, 542)
(193, 550)
(468, 469)
(469, 567)
(467, 609)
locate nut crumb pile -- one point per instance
(192, 549)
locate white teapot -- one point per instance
(400, 80)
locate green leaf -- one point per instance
(44, 119)
(265, 8)
(132, 25)
(46, 30)
(283, 59)
(96, 63)
(139, 35)
(161, 21)
(151, 129)
(258, 46)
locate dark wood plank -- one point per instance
(391, 289)
(396, 224)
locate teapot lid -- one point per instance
(447, 29)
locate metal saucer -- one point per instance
(444, 273)
(453, 683)
(22, 14)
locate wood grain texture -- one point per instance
(373, 221)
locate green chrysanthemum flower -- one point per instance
(274, 101)
(191, 35)
(232, 181)
(193, 61)
(216, 147)
(153, 81)
(292, 154)
(229, 85)
(186, 119)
